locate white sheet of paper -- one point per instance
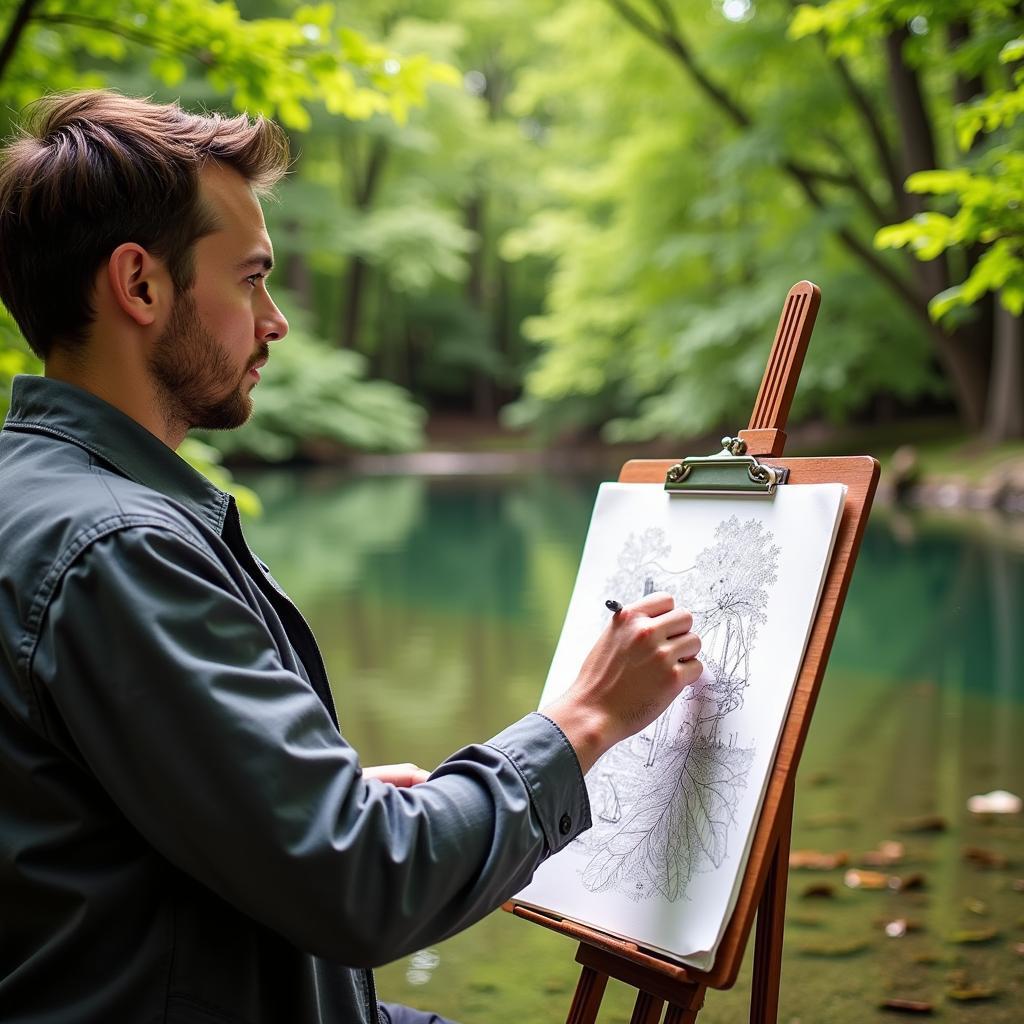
(674, 808)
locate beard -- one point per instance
(197, 384)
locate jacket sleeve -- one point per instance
(170, 687)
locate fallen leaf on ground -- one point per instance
(996, 802)
(906, 1005)
(967, 935)
(983, 858)
(834, 949)
(900, 926)
(819, 890)
(889, 852)
(974, 906)
(923, 823)
(815, 860)
(971, 994)
(907, 883)
(856, 879)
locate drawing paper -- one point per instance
(674, 808)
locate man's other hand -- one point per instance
(639, 665)
(397, 774)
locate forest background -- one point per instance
(579, 219)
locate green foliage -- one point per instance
(312, 393)
(207, 460)
(987, 196)
(15, 358)
(276, 65)
(674, 240)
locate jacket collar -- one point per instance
(69, 413)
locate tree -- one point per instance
(988, 220)
(816, 141)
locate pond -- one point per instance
(437, 603)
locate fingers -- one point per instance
(402, 775)
(688, 672)
(682, 648)
(666, 620)
(651, 605)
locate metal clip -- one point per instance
(729, 471)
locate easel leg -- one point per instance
(587, 1001)
(771, 922)
(678, 1013)
(647, 1009)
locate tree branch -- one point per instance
(14, 33)
(863, 105)
(131, 34)
(884, 152)
(670, 39)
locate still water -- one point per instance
(437, 603)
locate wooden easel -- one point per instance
(661, 981)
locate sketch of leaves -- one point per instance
(641, 559)
(639, 846)
(735, 572)
(677, 825)
(716, 773)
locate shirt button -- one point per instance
(565, 824)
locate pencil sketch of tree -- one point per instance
(665, 801)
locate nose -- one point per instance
(271, 324)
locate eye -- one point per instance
(253, 278)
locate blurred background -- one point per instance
(522, 241)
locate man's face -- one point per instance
(207, 358)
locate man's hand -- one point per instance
(638, 666)
(397, 774)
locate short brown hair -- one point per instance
(92, 170)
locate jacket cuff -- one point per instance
(547, 764)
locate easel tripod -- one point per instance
(663, 985)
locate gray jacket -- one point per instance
(185, 836)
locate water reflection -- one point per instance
(438, 604)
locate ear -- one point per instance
(139, 284)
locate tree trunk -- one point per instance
(356, 276)
(501, 334)
(963, 353)
(484, 398)
(1005, 418)
(297, 276)
(364, 188)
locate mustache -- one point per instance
(262, 355)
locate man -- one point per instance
(185, 836)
